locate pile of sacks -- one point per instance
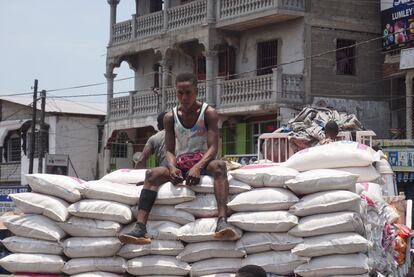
(301, 217)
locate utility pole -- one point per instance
(32, 137)
(42, 132)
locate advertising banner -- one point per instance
(6, 203)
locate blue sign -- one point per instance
(6, 203)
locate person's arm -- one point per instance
(170, 148)
(146, 153)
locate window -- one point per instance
(13, 149)
(157, 75)
(258, 128)
(200, 67)
(227, 63)
(120, 147)
(345, 58)
(266, 57)
(156, 5)
(37, 143)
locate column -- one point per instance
(409, 103)
(211, 17)
(109, 92)
(164, 84)
(112, 20)
(166, 7)
(210, 95)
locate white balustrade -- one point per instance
(122, 31)
(150, 24)
(145, 103)
(295, 5)
(189, 14)
(235, 8)
(119, 107)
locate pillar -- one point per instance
(210, 95)
(109, 92)
(112, 18)
(164, 84)
(409, 103)
(166, 7)
(211, 17)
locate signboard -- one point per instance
(397, 18)
(242, 159)
(407, 58)
(57, 164)
(400, 159)
(6, 203)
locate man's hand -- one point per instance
(193, 176)
(175, 175)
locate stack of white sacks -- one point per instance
(288, 222)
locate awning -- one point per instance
(7, 126)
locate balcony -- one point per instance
(232, 96)
(10, 172)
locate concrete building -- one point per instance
(74, 130)
(253, 61)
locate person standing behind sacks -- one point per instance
(191, 141)
(155, 145)
(331, 132)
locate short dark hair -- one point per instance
(251, 271)
(160, 120)
(331, 128)
(186, 77)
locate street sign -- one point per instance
(6, 203)
(57, 164)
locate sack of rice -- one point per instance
(105, 190)
(261, 242)
(83, 265)
(156, 247)
(332, 155)
(365, 173)
(339, 243)
(273, 221)
(351, 264)
(202, 230)
(102, 210)
(220, 275)
(195, 252)
(206, 185)
(263, 199)
(96, 274)
(280, 262)
(371, 188)
(32, 246)
(322, 180)
(169, 194)
(326, 202)
(157, 265)
(126, 176)
(83, 247)
(35, 203)
(169, 213)
(34, 226)
(86, 227)
(65, 187)
(204, 205)
(215, 266)
(36, 263)
(160, 230)
(322, 224)
(264, 175)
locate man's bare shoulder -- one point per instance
(168, 119)
(210, 111)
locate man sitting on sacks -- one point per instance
(191, 142)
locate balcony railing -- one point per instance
(10, 172)
(273, 88)
(186, 15)
(148, 25)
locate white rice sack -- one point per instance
(351, 264)
(220, 275)
(339, 243)
(264, 175)
(204, 205)
(95, 274)
(65, 187)
(372, 189)
(261, 242)
(280, 262)
(157, 265)
(156, 247)
(86, 227)
(169, 213)
(263, 199)
(34, 226)
(169, 194)
(32, 246)
(332, 155)
(215, 266)
(83, 247)
(206, 185)
(322, 180)
(35, 203)
(326, 202)
(202, 230)
(194, 252)
(331, 223)
(126, 176)
(102, 210)
(34, 263)
(366, 173)
(105, 190)
(83, 265)
(273, 221)
(161, 230)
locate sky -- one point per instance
(59, 42)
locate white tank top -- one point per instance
(190, 140)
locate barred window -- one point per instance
(266, 57)
(14, 149)
(120, 147)
(345, 57)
